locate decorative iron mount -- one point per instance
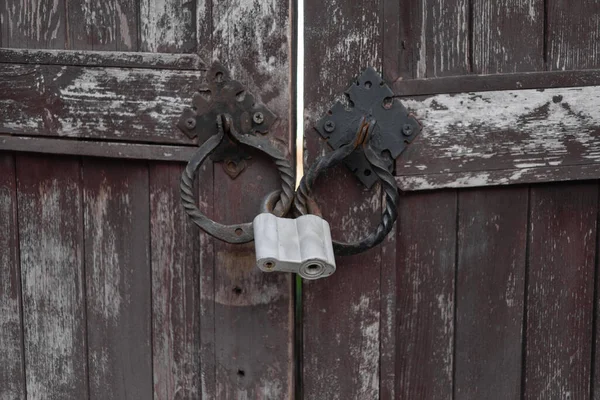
(371, 98)
(367, 135)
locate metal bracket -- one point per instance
(223, 95)
(370, 97)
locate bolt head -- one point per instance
(258, 118)
(407, 130)
(190, 123)
(329, 126)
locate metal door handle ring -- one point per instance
(237, 233)
(302, 201)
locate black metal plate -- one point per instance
(370, 97)
(224, 95)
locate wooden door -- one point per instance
(107, 291)
(487, 287)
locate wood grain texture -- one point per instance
(252, 339)
(101, 103)
(102, 58)
(33, 24)
(560, 290)
(93, 148)
(167, 26)
(502, 137)
(12, 373)
(487, 83)
(425, 38)
(573, 40)
(52, 275)
(118, 279)
(102, 25)
(425, 295)
(341, 324)
(175, 290)
(492, 239)
(508, 36)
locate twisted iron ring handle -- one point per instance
(392, 197)
(238, 233)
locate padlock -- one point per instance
(302, 245)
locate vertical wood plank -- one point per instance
(426, 259)
(341, 314)
(168, 26)
(118, 279)
(560, 290)
(492, 238)
(253, 311)
(425, 38)
(33, 24)
(102, 25)
(573, 40)
(175, 291)
(51, 246)
(12, 377)
(499, 31)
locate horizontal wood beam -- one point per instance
(91, 148)
(486, 83)
(123, 104)
(103, 59)
(503, 137)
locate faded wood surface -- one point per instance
(52, 274)
(99, 103)
(501, 137)
(12, 371)
(498, 37)
(425, 296)
(560, 291)
(118, 279)
(252, 339)
(425, 38)
(492, 235)
(92, 58)
(175, 259)
(341, 314)
(94, 148)
(175, 289)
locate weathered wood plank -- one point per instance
(486, 83)
(175, 290)
(425, 38)
(253, 311)
(33, 23)
(118, 279)
(498, 31)
(573, 40)
(97, 149)
(492, 239)
(12, 373)
(560, 290)
(52, 274)
(98, 103)
(341, 314)
(167, 26)
(90, 58)
(489, 138)
(426, 260)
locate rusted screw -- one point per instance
(407, 130)
(258, 118)
(190, 123)
(329, 126)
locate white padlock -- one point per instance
(302, 245)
